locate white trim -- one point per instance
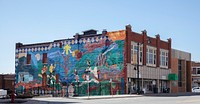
(133, 44)
(166, 56)
(154, 49)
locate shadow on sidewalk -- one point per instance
(172, 94)
(31, 101)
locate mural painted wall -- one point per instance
(97, 60)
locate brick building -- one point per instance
(104, 60)
(153, 71)
(181, 66)
(195, 74)
(161, 66)
(7, 82)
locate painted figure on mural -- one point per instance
(51, 68)
(44, 75)
(51, 75)
(88, 69)
(21, 77)
(76, 76)
(67, 49)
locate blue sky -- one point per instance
(33, 21)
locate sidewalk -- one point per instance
(106, 96)
(135, 95)
(172, 94)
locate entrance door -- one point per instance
(148, 86)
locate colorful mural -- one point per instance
(98, 61)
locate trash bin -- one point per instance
(155, 90)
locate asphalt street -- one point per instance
(194, 99)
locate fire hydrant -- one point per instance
(12, 97)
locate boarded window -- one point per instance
(44, 59)
(28, 61)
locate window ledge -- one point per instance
(151, 65)
(165, 67)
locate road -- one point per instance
(126, 100)
(129, 100)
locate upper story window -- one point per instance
(134, 50)
(28, 59)
(164, 58)
(151, 56)
(196, 70)
(179, 73)
(44, 58)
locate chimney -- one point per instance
(18, 45)
(88, 32)
(104, 32)
(144, 32)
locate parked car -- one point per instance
(196, 89)
(3, 93)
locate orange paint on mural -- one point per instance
(117, 35)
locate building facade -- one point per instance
(7, 82)
(92, 63)
(95, 64)
(154, 62)
(181, 67)
(195, 74)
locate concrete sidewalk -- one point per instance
(173, 94)
(105, 96)
(135, 95)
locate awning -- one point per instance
(172, 77)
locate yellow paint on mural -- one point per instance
(22, 55)
(67, 48)
(117, 35)
(51, 68)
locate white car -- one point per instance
(3, 93)
(196, 89)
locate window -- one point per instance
(198, 70)
(194, 71)
(134, 50)
(44, 59)
(179, 73)
(151, 56)
(28, 60)
(163, 58)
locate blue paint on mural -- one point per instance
(71, 63)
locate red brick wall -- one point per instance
(195, 64)
(174, 69)
(186, 76)
(7, 82)
(189, 76)
(143, 38)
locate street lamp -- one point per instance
(137, 65)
